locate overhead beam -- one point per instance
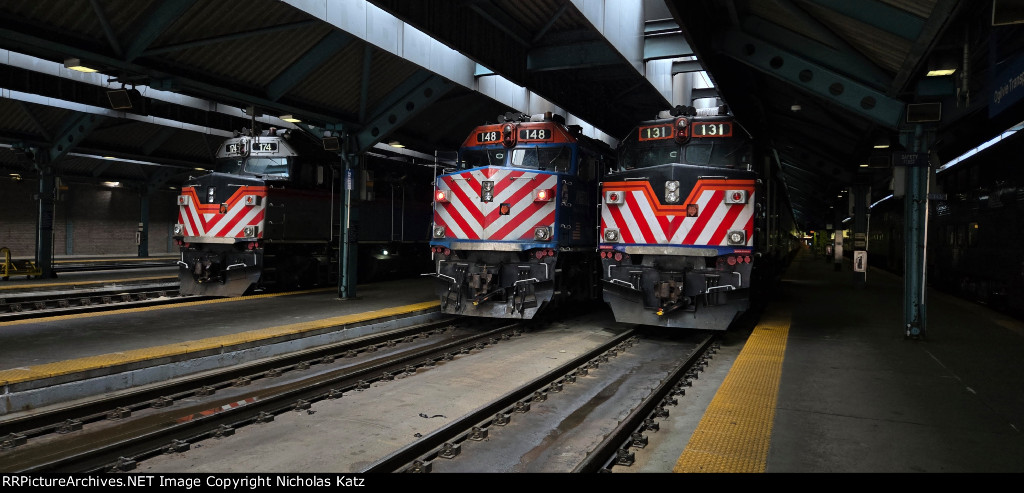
(407, 106)
(836, 53)
(671, 45)
(585, 54)
(877, 14)
(115, 45)
(159, 19)
(686, 67)
(74, 131)
(161, 81)
(307, 63)
(850, 94)
(229, 37)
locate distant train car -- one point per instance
(267, 219)
(513, 227)
(975, 233)
(975, 228)
(693, 219)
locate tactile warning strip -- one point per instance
(735, 433)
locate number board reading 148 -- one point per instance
(534, 134)
(711, 129)
(488, 137)
(656, 132)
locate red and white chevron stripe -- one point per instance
(465, 217)
(207, 220)
(642, 219)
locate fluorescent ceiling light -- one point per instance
(290, 118)
(76, 65)
(940, 72)
(395, 143)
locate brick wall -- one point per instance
(99, 220)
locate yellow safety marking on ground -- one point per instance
(157, 307)
(735, 433)
(58, 368)
(112, 259)
(81, 283)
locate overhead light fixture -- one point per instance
(290, 119)
(112, 183)
(882, 143)
(395, 143)
(794, 108)
(76, 65)
(126, 99)
(941, 63)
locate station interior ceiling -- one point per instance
(821, 81)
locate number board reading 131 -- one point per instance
(656, 132)
(711, 129)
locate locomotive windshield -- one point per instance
(476, 158)
(548, 158)
(542, 158)
(268, 167)
(635, 156)
(719, 153)
(724, 154)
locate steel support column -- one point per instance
(347, 252)
(915, 233)
(143, 238)
(860, 195)
(44, 221)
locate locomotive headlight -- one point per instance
(252, 200)
(543, 195)
(542, 233)
(250, 231)
(672, 192)
(737, 237)
(735, 196)
(614, 197)
(438, 231)
(183, 200)
(210, 194)
(179, 230)
(611, 235)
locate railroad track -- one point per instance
(139, 430)
(41, 303)
(482, 440)
(111, 434)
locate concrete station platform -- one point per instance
(825, 382)
(51, 360)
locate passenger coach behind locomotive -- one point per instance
(261, 219)
(684, 223)
(513, 228)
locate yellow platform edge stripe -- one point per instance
(734, 434)
(83, 283)
(58, 368)
(58, 318)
